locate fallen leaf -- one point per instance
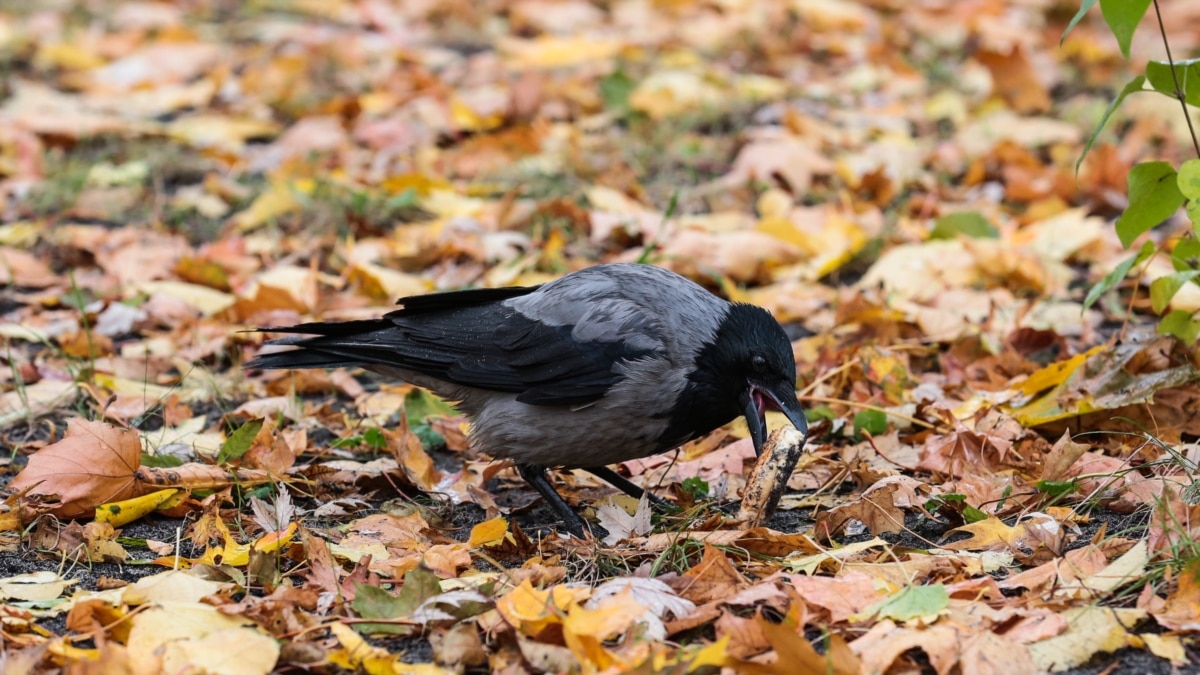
(1091, 630)
(93, 464)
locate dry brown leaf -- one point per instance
(93, 464)
(879, 507)
(1182, 609)
(22, 268)
(712, 578)
(840, 598)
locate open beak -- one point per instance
(757, 400)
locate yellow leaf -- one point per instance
(531, 611)
(10, 521)
(673, 92)
(35, 399)
(1055, 373)
(354, 647)
(810, 564)
(417, 182)
(837, 242)
(985, 534)
(1125, 569)
(449, 204)
(128, 510)
(586, 630)
(1091, 630)
(22, 233)
(230, 552)
(713, 654)
(1165, 646)
(466, 118)
(281, 287)
(122, 385)
(550, 52)
(33, 587)
(1046, 408)
(356, 654)
(383, 283)
(784, 230)
(71, 654)
(169, 586)
(774, 204)
(68, 56)
(226, 133)
(208, 300)
(488, 533)
(193, 637)
(274, 541)
(759, 87)
(281, 198)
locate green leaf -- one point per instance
(616, 88)
(375, 439)
(913, 602)
(239, 442)
(969, 223)
(873, 422)
(1117, 275)
(1188, 72)
(1186, 254)
(821, 412)
(696, 486)
(1180, 324)
(161, 461)
(1003, 498)
(406, 199)
(347, 442)
(1133, 86)
(1189, 179)
(1153, 196)
(1193, 213)
(1163, 289)
(953, 501)
(1084, 7)
(420, 405)
(1058, 488)
(1123, 17)
(429, 437)
(973, 515)
(372, 602)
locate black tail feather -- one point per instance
(299, 358)
(326, 348)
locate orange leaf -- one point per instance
(488, 533)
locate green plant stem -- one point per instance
(1175, 78)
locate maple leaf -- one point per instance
(94, 463)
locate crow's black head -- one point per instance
(746, 369)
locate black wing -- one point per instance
(458, 299)
(470, 338)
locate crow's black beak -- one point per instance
(758, 399)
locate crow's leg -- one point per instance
(536, 477)
(627, 486)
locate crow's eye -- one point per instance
(759, 363)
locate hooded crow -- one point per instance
(603, 365)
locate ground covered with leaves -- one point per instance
(999, 473)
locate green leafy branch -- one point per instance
(1156, 189)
